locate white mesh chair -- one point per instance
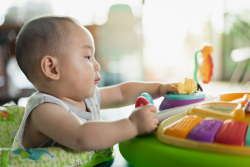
(241, 56)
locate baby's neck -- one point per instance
(78, 104)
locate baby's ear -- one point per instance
(49, 66)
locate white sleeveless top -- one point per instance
(93, 105)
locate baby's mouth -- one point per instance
(97, 80)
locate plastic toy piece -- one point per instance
(247, 109)
(192, 144)
(232, 133)
(167, 104)
(148, 97)
(175, 99)
(188, 87)
(182, 128)
(240, 110)
(205, 66)
(141, 101)
(205, 131)
(224, 109)
(247, 141)
(177, 96)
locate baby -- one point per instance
(57, 55)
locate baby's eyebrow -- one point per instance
(89, 46)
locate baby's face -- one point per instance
(79, 69)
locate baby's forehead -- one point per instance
(81, 32)
(69, 33)
(79, 36)
(74, 29)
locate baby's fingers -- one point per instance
(152, 108)
(154, 124)
(175, 84)
(155, 121)
(173, 87)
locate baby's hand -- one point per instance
(166, 88)
(144, 119)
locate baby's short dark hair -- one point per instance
(44, 35)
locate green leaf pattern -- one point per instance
(63, 158)
(9, 127)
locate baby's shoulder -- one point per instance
(44, 104)
(48, 107)
(37, 99)
(48, 112)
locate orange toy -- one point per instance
(205, 66)
(182, 128)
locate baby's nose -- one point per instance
(97, 67)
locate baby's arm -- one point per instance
(126, 93)
(58, 124)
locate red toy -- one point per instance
(141, 101)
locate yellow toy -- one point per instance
(189, 86)
(224, 110)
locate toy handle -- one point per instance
(141, 101)
(196, 66)
(196, 70)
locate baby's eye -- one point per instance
(88, 57)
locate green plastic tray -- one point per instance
(148, 151)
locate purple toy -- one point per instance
(205, 131)
(167, 104)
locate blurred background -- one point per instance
(140, 40)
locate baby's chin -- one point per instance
(88, 94)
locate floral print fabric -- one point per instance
(10, 120)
